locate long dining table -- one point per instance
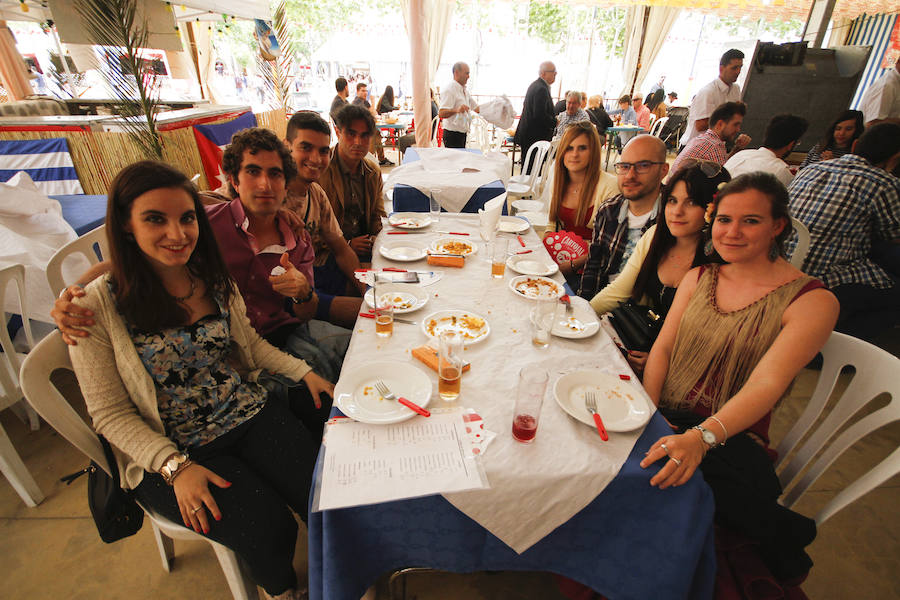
(621, 537)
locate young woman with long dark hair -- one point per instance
(839, 138)
(169, 375)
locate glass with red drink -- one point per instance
(529, 398)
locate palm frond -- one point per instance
(276, 74)
(114, 25)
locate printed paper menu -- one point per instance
(366, 464)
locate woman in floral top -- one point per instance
(169, 374)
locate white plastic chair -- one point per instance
(52, 354)
(657, 127)
(83, 245)
(11, 464)
(802, 247)
(522, 186)
(876, 374)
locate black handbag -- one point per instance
(116, 513)
(636, 325)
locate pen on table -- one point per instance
(521, 241)
(523, 251)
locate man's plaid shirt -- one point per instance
(608, 242)
(846, 204)
(706, 146)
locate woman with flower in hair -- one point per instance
(735, 337)
(669, 249)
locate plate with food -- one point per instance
(513, 224)
(533, 288)
(580, 322)
(622, 405)
(453, 246)
(473, 327)
(405, 297)
(357, 397)
(402, 250)
(529, 264)
(410, 220)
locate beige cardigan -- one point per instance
(120, 394)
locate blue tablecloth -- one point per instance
(409, 199)
(82, 211)
(632, 542)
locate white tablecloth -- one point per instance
(454, 172)
(536, 487)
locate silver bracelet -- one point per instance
(722, 425)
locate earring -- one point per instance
(708, 248)
(773, 252)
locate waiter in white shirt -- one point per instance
(881, 101)
(456, 102)
(718, 91)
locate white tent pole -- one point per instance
(420, 79)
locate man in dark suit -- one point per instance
(538, 117)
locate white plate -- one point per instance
(439, 246)
(513, 225)
(546, 288)
(402, 251)
(356, 396)
(537, 219)
(407, 296)
(436, 323)
(528, 205)
(531, 264)
(410, 220)
(621, 405)
(582, 323)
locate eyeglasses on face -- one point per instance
(640, 167)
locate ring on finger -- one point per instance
(675, 460)
(196, 509)
(664, 447)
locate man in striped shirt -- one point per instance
(851, 205)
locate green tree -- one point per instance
(557, 24)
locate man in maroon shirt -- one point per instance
(271, 265)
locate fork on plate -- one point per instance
(590, 402)
(389, 395)
(568, 302)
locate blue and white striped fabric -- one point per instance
(875, 31)
(47, 162)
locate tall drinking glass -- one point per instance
(498, 250)
(384, 311)
(434, 206)
(450, 364)
(529, 398)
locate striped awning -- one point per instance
(757, 9)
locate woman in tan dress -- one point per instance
(736, 336)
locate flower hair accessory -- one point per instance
(711, 207)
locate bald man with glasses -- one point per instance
(623, 219)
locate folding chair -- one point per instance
(52, 354)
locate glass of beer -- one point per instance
(498, 250)
(450, 364)
(384, 311)
(529, 398)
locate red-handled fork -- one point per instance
(591, 404)
(389, 395)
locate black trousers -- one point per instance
(454, 139)
(269, 461)
(867, 312)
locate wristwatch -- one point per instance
(305, 299)
(173, 466)
(708, 437)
